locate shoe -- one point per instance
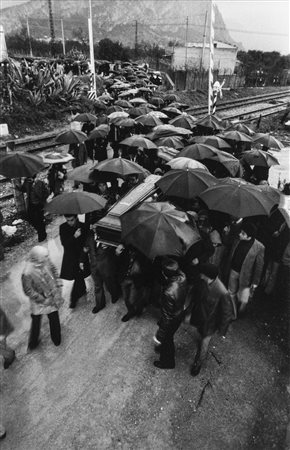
(114, 300)
(157, 348)
(96, 309)
(72, 305)
(161, 365)
(42, 238)
(127, 317)
(33, 347)
(3, 435)
(195, 369)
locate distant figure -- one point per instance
(56, 177)
(41, 283)
(37, 192)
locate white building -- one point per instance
(193, 56)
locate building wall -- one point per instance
(224, 58)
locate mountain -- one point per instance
(158, 21)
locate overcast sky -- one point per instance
(261, 24)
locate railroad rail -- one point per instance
(248, 108)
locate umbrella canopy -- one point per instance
(202, 152)
(158, 114)
(272, 194)
(148, 120)
(75, 203)
(178, 105)
(186, 163)
(238, 200)
(138, 140)
(171, 111)
(184, 121)
(126, 123)
(139, 111)
(120, 166)
(100, 105)
(169, 130)
(242, 128)
(268, 141)
(99, 132)
(56, 158)
(199, 151)
(170, 141)
(105, 97)
(158, 229)
(212, 140)
(166, 153)
(138, 101)
(157, 101)
(71, 137)
(118, 115)
(16, 165)
(171, 98)
(185, 184)
(235, 135)
(114, 108)
(260, 158)
(87, 174)
(210, 122)
(123, 104)
(85, 117)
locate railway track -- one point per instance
(248, 108)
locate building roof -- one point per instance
(218, 44)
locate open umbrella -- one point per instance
(199, 151)
(85, 117)
(158, 114)
(56, 158)
(170, 141)
(260, 158)
(99, 132)
(213, 140)
(185, 184)
(123, 104)
(126, 122)
(268, 141)
(157, 101)
(186, 163)
(242, 128)
(184, 121)
(138, 140)
(87, 174)
(178, 105)
(169, 130)
(236, 136)
(148, 120)
(158, 229)
(171, 111)
(75, 203)
(114, 108)
(210, 122)
(138, 101)
(118, 115)
(139, 111)
(120, 166)
(238, 200)
(71, 137)
(16, 165)
(171, 98)
(166, 153)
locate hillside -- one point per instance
(157, 21)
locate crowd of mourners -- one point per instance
(209, 286)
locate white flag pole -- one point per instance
(91, 40)
(211, 61)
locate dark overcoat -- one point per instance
(72, 250)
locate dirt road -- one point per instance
(100, 390)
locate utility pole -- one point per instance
(51, 24)
(204, 42)
(28, 35)
(62, 34)
(136, 39)
(92, 56)
(186, 39)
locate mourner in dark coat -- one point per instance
(135, 274)
(103, 268)
(72, 237)
(173, 299)
(212, 310)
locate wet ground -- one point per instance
(100, 390)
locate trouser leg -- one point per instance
(54, 326)
(112, 286)
(167, 351)
(243, 296)
(34, 331)
(36, 218)
(233, 287)
(100, 298)
(78, 289)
